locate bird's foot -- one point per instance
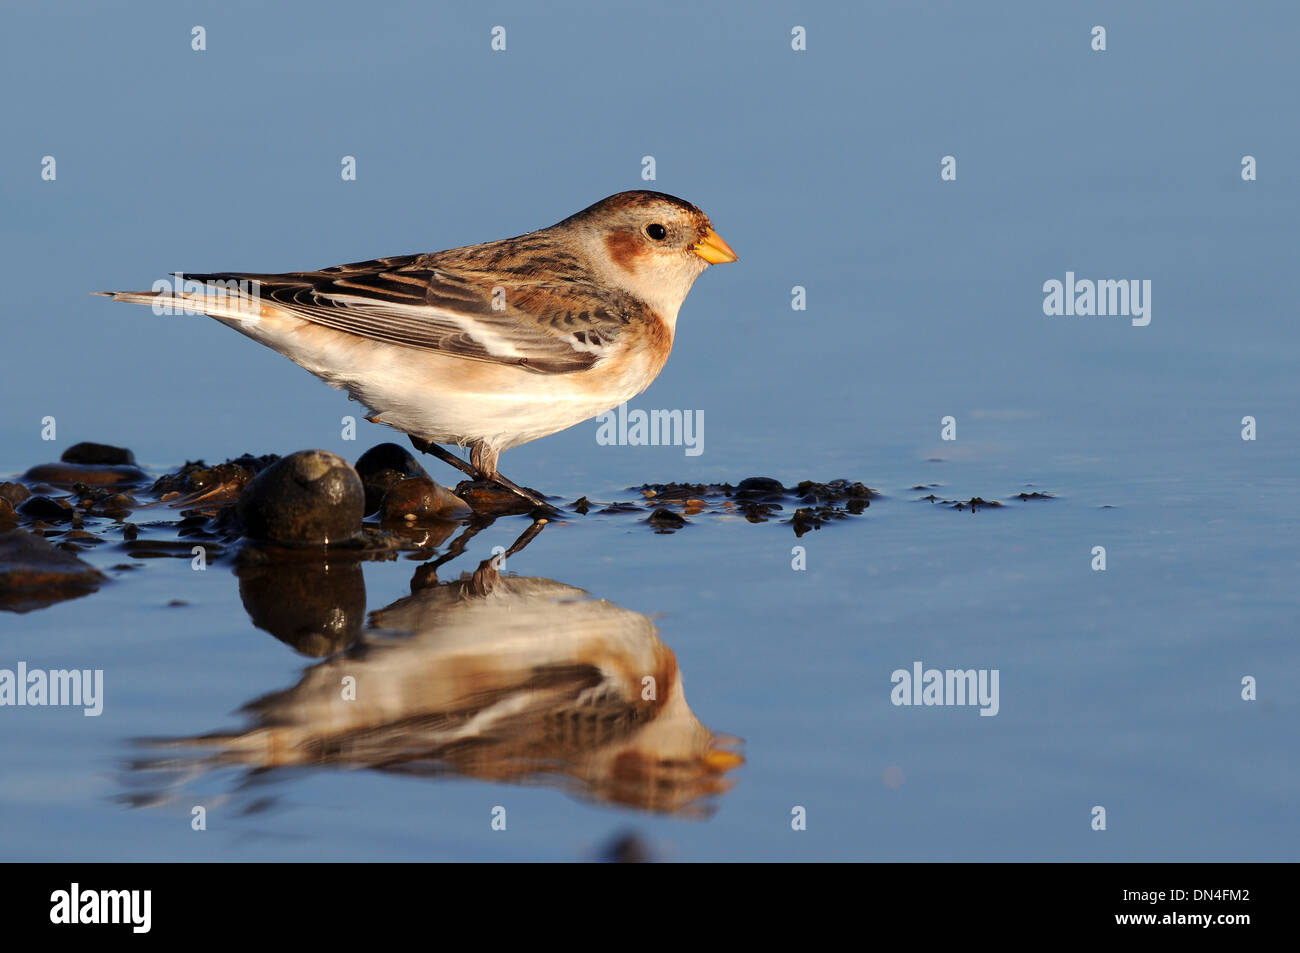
(541, 508)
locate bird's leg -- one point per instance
(482, 466)
(484, 459)
(446, 456)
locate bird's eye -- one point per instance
(657, 232)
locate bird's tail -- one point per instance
(232, 301)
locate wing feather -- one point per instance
(555, 326)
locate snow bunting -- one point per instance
(487, 346)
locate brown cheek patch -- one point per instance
(624, 249)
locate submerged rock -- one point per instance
(98, 453)
(311, 496)
(35, 573)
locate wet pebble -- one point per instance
(382, 466)
(14, 493)
(98, 453)
(415, 499)
(759, 488)
(836, 491)
(70, 474)
(492, 499)
(46, 509)
(684, 491)
(35, 573)
(198, 477)
(312, 496)
(115, 505)
(665, 520)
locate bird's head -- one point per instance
(650, 244)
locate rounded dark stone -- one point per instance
(492, 499)
(98, 453)
(760, 485)
(44, 508)
(311, 496)
(666, 519)
(420, 498)
(382, 466)
(35, 573)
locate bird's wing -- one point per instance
(554, 327)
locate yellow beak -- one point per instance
(713, 249)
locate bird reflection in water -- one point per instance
(491, 676)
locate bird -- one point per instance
(485, 346)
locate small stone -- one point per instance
(98, 453)
(15, 493)
(115, 505)
(665, 520)
(420, 498)
(382, 466)
(311, 496)
(35, 573)
(46, 509)
(225, 479)
(492, 499)
(761, 485)
(70, 474)
(757, 489)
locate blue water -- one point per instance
(1119, 689)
